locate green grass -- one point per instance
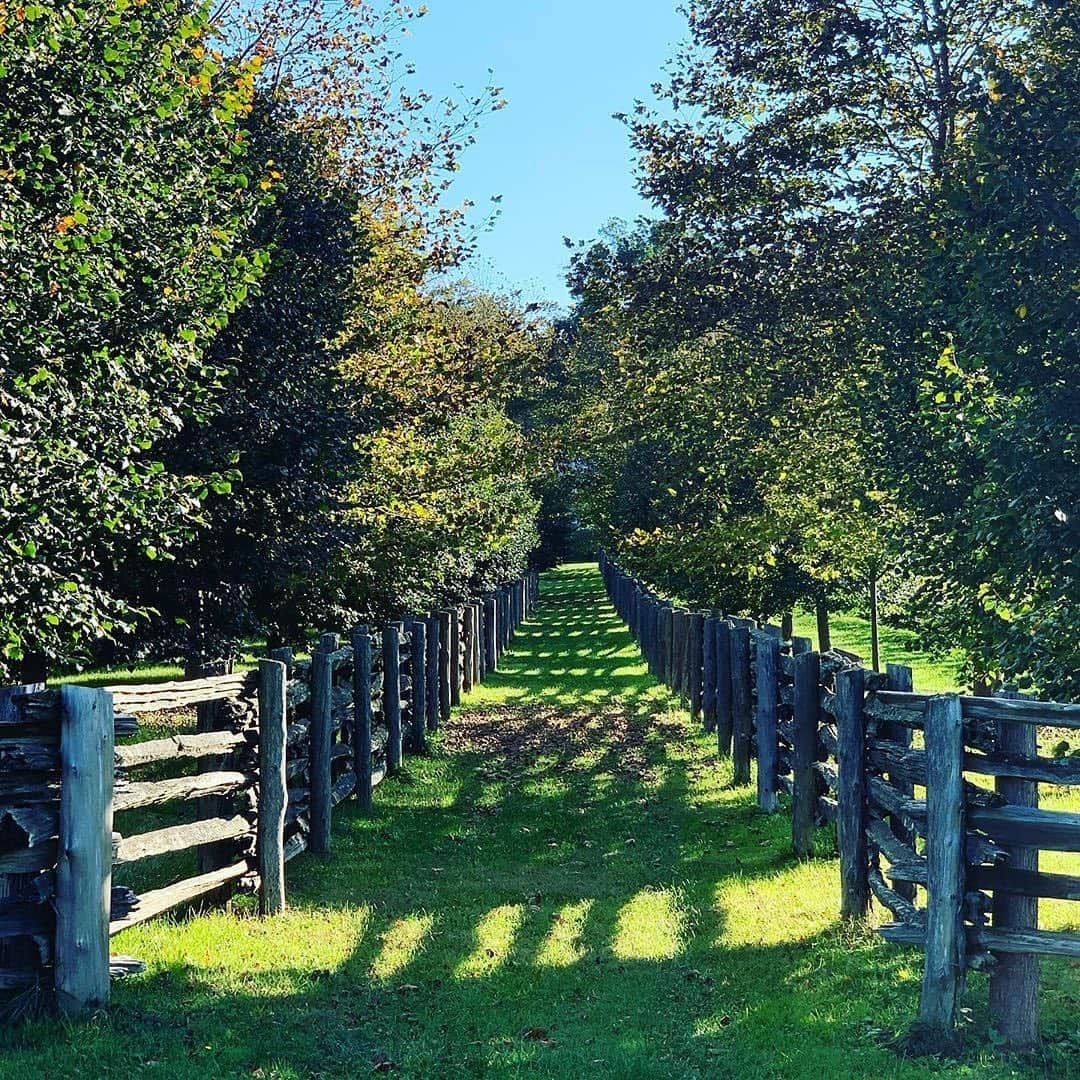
(933, 673)
(567, 887)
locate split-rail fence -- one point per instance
(935, 798)
(276, 750)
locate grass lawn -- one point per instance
(567, 887)
(933, 673)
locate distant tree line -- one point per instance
(844, 359)
(232, 403)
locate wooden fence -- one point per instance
(274, 752)
(935, 798)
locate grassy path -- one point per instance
(567, 887)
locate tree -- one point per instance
(125, 204)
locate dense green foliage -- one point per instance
(845, 353)
(230, 401)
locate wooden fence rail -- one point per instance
(280, 748)
(957, 869)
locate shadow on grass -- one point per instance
(567, 887)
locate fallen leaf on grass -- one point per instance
(538, 1034)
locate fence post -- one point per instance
(708, 673)
(361, 643)
(851, 793)
(273, 792)
(391, 643)
(419, 685)
(804, 792)
(724, 722)
(1014, 979)
(695, 661)
(900, 678)
(490, 641)
(742, 717)
(768, 740)
(481, 652)
(468, 643)
(84, 862)
(455, 655)
(320, 733)
(444, 664)
(433, 637)
(945, 839)
(665, 666)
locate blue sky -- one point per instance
(560, 162)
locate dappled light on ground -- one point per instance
(567, 886)
(401, 942)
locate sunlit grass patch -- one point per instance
(650, 926)
(496, 933)
(400, 944)
(563, 944)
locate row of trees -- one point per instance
(845, 358)
(231, 401)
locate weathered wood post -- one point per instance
(273, 792)
(900, 678)
(84, 858)
(945, 841)
(804, 791)
(741, 708)
(445, 620)
(468, 634)
(1014, 978)
(455, 655)
(433, 647)
(767, 670)
(724, 716)
(695, 646)
(391, 644)
(491, 649)
(418, 666)
(666, 672)
(851, 793)
(481, 651)
(708, 673)
(361, 643)
(321, 736)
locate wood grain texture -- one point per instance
(273, 793)
(851, 794)
(84, 862)
(945, 943)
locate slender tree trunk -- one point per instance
(821, 608)
(875, 640)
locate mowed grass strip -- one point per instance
(568, 886)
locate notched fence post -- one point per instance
(741, 706)
(807, 681)
(851, 794)
(361, 643)
(84, 863)
(767, 669)
(945, 839)
(273, 792)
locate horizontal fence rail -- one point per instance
(934, 797)
(275, 751)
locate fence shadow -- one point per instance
(568, 888)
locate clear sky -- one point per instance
(560, 162)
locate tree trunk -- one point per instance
(875, 640)
(821, 608)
